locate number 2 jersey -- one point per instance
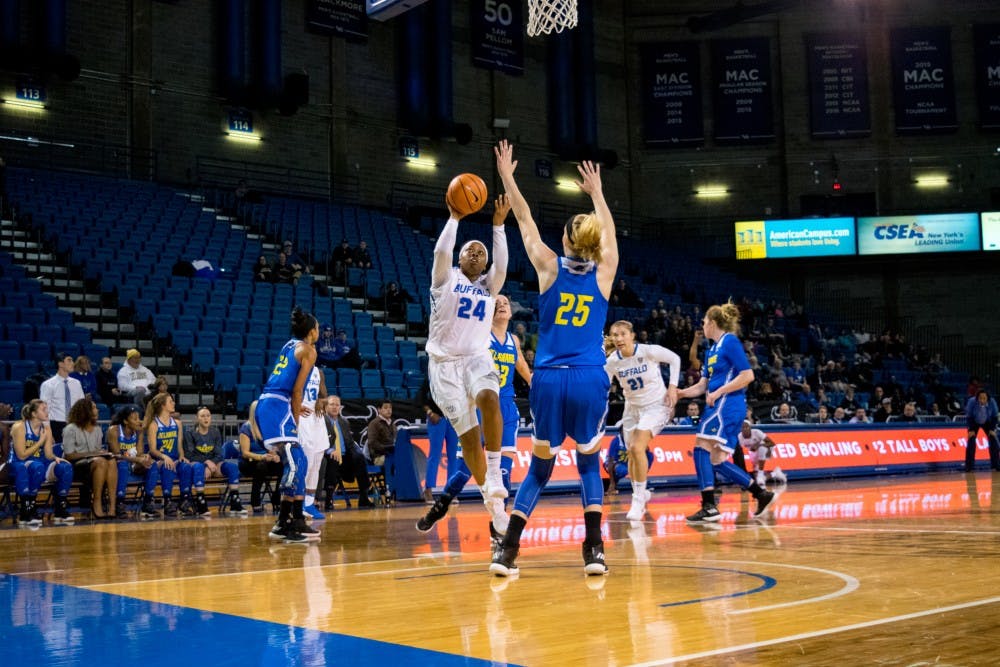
(639, 375)
(461, 316)
(571, 316)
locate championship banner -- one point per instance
(342, 18)
(838, 86)
(497, 35)
(923, 85)
(671, 94)
(986, 41)
(820, 449)
(741, 83)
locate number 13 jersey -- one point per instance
(461, 316)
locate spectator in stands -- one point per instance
(806, 400)
(33, 461)
(849, 402)
(345, 460)
(107, 382)
(381, 434)
(294, 259)
(394, 301)
(262, 270)
(134, 379)
(344, 356)
(981, 414)
(823, 415)
(362, 258)
(82, 372)
(883, 412)
(326, 348)
(909, 413)
(283, 272)
(93, 466)
(258, 463)
(839, 416)
(60, 393)
(783, 413)
(203, 448)
(624, 296)
(860, 417)
(934, 410)
(692, 417)
(343, 258)
(124, 442)
(875, 400)
(796, 376)
(832, 377)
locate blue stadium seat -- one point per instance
(52, 333)
(254, 357)
(245, 395)
(20, 369)
(409, 363)
(348, 377)
(251, 375)
(183, 340)
(62, 318)
(20, 331)
(229, 356)
(77, 335)
(370, 379)
(392, 379)
(206, 338)
(33, 316)
(18, 300)
(189, 322)
(350, 392)
(95, 352)
(389, 362)
(203, 358)
(103, 412)
(225, 377)
(39, 352)
(12, 392)
(8, 314)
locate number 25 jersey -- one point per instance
(461, 316)
(571, 316)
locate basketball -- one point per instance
(466, 194)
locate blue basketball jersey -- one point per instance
(126, 442)
(286, 370)
(504, 358)
(571, 318)
(166, 438)
(724, 361)
(30, 437)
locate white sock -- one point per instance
(492, 462)
(308, 500)
(638, 486)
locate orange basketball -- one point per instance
(466, 194)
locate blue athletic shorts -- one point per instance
(723, 421)
(274, 419)
(569, 402)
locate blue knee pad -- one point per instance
(24, 479)
(591, 486)
(152, 479)
(231, 471)
(185, 471)
(293, 479)
(506, 465)
(538, 476)
(458, 481)
(732, 472)
(703, 468)
(64, 478)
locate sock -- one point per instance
(592, 523)
(297, 510)
(707, 498)
(284, 512)
(309, 501)
(492, 462)
(637, 487)
(513, 536)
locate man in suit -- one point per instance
(344, 459)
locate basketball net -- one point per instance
(544, 16)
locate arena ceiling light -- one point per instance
(712, 192)
(932, 181)
(421, 163)
(244, 137)
(568, 186)
(24, 104)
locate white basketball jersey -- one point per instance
(755, 440)
(639, 375)
(461, 316)
(311, 391)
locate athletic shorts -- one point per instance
(569, 402)
(312, 433)
(274, 420)
(724, 421)
(650, 418)
(456, 381)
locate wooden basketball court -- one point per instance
(898, 571)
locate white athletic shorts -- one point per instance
(456, 381)
(650, 418)
(312, 433)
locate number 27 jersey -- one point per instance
(461, 316)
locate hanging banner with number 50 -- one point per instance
(497, 35)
